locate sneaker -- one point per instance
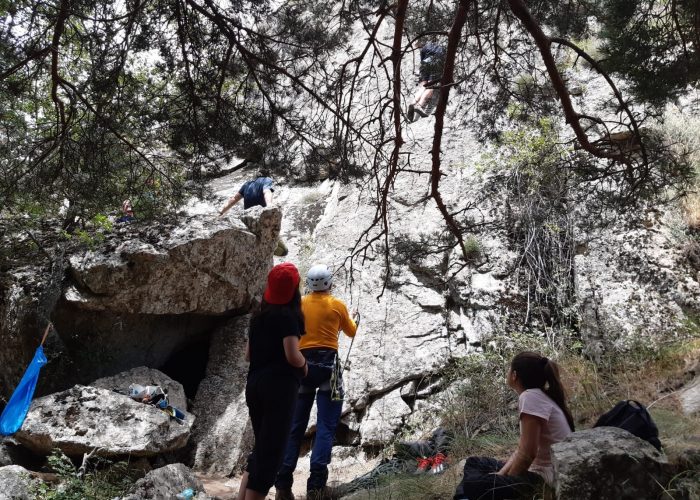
(423, 465)
(421, 111)
(284, 494)
(438, 464)
(411, 112)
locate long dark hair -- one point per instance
(535, 371)
(293, 306)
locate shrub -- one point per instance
(472, 248)
(106, 480)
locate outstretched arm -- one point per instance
(231, 202)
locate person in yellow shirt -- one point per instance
(324, 317)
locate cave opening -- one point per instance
(188, 364)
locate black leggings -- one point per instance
(271, 398)
(480, 482)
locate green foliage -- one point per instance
(654, 44)
(115, 119)
(472, 247)
(105, 482)
(102, 223)
(534, 165)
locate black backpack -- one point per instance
(633, 417)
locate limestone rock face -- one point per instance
(16, 483)
(383, 418)
(633, 284)
(166, 482)
(204, 266)
(83, 418)
(27, 296)
(145, 376)
(607, 463)
(690, 397)
(5, 455)
(221, 430)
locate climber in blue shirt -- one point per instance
(253, 193)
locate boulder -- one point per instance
(607, 463)
(205, 265)
(221, 430)
(16, 483)
(145, 292)
(84, 418)
(690, 397)
(166, 482)
(145, 376)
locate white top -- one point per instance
(556, 428)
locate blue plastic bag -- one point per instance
(17, 407)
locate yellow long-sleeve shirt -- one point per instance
(324, 316)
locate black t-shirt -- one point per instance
(266, 335)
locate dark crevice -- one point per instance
(87, 346)
(188, 364)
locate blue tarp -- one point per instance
(17, 407)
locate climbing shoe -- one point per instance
(284, 494)
(424, 464)
(438, 464)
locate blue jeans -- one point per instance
(316, 385)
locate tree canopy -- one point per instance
(105, 100)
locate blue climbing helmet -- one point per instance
(319, 278)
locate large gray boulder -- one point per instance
(205, 265)
(145, 376)
(16, 483)
(166, 483)
(146, 292)
(221, 430)
(690, 397)
(608, 463)
(85, 418)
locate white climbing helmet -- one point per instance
(319, 278)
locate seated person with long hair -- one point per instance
(544, 420)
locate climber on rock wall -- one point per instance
(432, 58)
(253, 193)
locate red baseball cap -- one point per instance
(282, 281)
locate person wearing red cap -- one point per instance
(276, 368)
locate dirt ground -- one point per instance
(342, 469)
